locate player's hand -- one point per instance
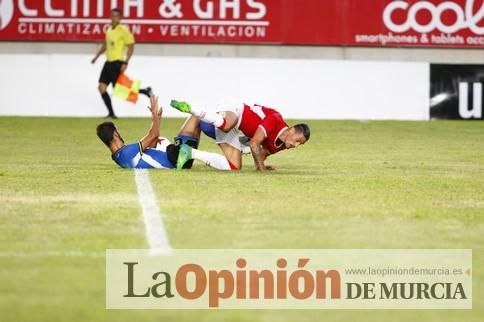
(123, 67)
(265, 168)
(93, 61)
(156, 111)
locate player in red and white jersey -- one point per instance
(264, 126)
(271, 123)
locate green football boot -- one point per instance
(181, 106)
(184, 155)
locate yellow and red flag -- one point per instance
(127, 89)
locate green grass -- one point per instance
(354, 185)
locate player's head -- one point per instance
(116, 15)
(107, 132)
(298, 135)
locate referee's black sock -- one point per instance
(107, 102)
(146, 91)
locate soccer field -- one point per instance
(354, 185)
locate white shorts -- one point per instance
(231, 137)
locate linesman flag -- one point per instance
(127, 89)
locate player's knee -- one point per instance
(230, 121)
(226, 127)
(191, 126)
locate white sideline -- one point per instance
(156, 235)
(155, 230)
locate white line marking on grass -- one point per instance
(155, 230)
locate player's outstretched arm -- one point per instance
(150, 139)
(257, 152)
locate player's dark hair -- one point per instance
(105, 131)
(303, 129)
(117, 10)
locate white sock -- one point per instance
(213, 160)
(210, 117)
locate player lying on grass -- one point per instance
(152, 152)
(265, 127)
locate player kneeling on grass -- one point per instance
(149, 152)
(265, 128)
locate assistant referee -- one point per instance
(118, 37)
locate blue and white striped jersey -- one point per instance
(132, 156)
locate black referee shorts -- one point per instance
(110, 72)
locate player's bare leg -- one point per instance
(233, 155)
(230, 120)
(191, 127)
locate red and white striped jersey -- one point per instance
(269, 120)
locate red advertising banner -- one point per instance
(411, 23)
(416, 23)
